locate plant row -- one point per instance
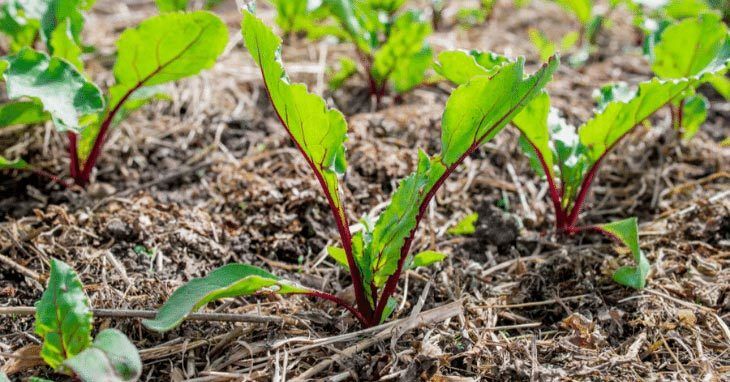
(491, 92)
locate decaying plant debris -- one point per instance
(210, 178)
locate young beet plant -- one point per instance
(376, 256)
(569, 160)
(64, 320)
(392, 48)
(683, 50)
(160, 50)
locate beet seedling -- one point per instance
(392, 48)
(161, 49)
(63, 320)
(569, 160)
(377, 255)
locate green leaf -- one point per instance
(52, 13)
(459, 66)
(471, 17)
(721, 84)
(16, 26)
(569, 40)
(36, 379)
(681, 9)
(544, 130)
(22, 113)
(63, 316)
(532, 122)
(405, 54)
(389, 309)
(17, 164)
(231, 280)
(387, 6)
(694, 114)
(318, 132)
(627, 231)
(570, 155)
(359, 20)
(691, 47)
(171, 5)
(542, 43)
(582, 9)
(465, 226)
(111, 358)
(426, 258)
(398, 219)
(291, 14)
(338, 255)
(347, 69)
(66, 94)
(64, 45)
(619, 91)
(478, 110)
(166, 48)
(618, 118)
(412, 71)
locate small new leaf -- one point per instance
(70, 98)
(112, 358)
(231, 280)
(338, 255)
(426, 258)
(63, 316)
(465, 226)
(627, 232)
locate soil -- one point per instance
(210, 178)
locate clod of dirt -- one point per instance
(119, 230)
(493, 228)
(422, 368)
(100, 190)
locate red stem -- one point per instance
(51, 177)
(83, 178)
(554, 193)
(363, 305)
(73, 154)
(584, 187)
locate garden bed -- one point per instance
(211, 178)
